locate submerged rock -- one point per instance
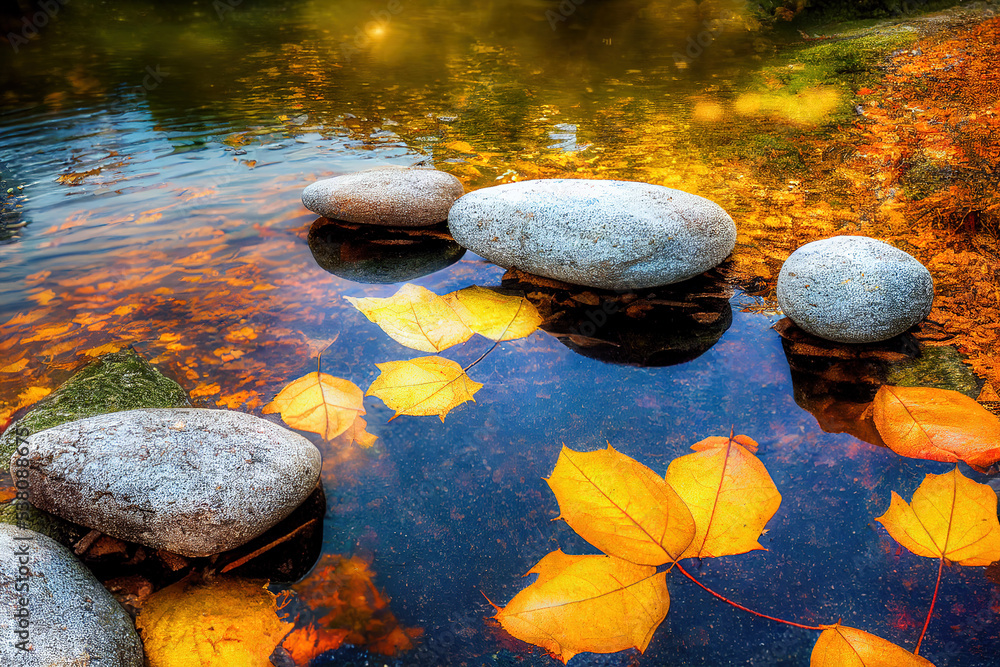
(604, 234)
(381, 255)
(115, 382)
(390, 196)
(71, 619)
(853, 289)
(192, 481)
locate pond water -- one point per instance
(156, 152)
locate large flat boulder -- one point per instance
(607, 234)
(195, 482)
(115, 382)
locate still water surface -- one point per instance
(162, 147)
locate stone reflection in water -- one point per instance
(381, 255)
(662, 326)
(836, 382)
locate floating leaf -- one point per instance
(841, 646)
(600, 604)
(621, 506)
(422, 320)
(417, 318)
(950, 516)
(319, 403)
(936, 424)
(423, 386)
(729, 493)
(493, 315)
(219, 624)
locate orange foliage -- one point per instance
(951, 517)
(599, 604)
(350, 608)
(307, 642)
(840, 645)
(936, 424)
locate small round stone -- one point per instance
(604, 234)
(853, 289)
(389, 196)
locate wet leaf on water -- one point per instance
(212, 624)
(587, 603)
(319, 403)
(950, 516)
(493, 315)
(936, 424)
(417, 318)
(423, 386)
(621, 506)
(729, 493)
(422, 320)
(841, 646)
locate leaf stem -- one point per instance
(517, 312)
(746, 609)
(930, 611)
(481, 357)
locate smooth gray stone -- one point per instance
(72, 619)
(605, 234)
(853, 289)
(390, 196)
(195, 482)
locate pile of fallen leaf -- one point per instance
(919, 168)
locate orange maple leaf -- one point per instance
(600, 604)
(936, 424)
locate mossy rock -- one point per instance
(940, 367)
(26, 515)
(115, 382)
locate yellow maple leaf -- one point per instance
(493, 315)
(417, 318)
(422, 320)
(621, 507)
(599, 604)
(950, 516)
(841, 646)
(729, 492)
(423, 386)
(319, 403)
(225, 622)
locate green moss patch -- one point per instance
(120, 381)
